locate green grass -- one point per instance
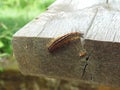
(14, 14)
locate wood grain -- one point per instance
(100, 24)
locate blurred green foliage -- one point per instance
(14, 14)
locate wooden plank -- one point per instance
(66, 5)
(105, 26)
(31, 51)
(62, 22)
(103, 40)
(100, 27)
(103, 62)
(114, 4)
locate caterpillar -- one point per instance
(63, 40)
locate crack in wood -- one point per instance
(92, 21)
(42, 29)
(86, 65)
(84, 69)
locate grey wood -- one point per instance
(99, 23)
(114, 4)
(105, 26)
(75, 4)
(42, 26)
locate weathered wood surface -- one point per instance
(100, 23)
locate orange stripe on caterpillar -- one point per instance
(63, 40)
